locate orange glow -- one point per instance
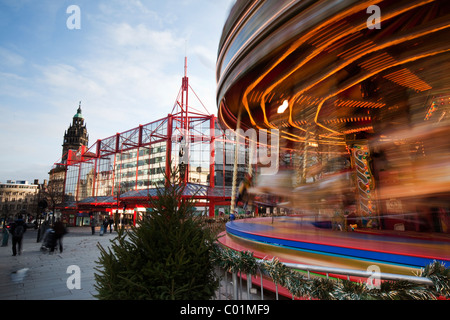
(370, 74)
(358, 104)
(291, 49)
(359, 129)
(329, 40)
(366, 48)
(406, 78)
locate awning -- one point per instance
(97, 201)
(192, 190)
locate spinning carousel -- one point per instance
(357, 94)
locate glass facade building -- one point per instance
(120, 172)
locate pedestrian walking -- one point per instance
(17, 229)
(105, 225)
(5, 236)
(44, 226)
(60, 231)
(93, 225)
(49, 240)
(111, 221)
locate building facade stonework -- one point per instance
(18, 197)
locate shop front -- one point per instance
(82, 219)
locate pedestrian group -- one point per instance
(52, 234)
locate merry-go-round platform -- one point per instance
(298, 240)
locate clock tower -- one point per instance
(75, 136)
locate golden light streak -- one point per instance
(291, 49)
(304, 38)
(373, 48)
(350, 30)
(368, 75)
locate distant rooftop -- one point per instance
(18, 182)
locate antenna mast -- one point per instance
(184, 94)
(184, 147)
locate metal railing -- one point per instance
(359, 273)
(237, 292)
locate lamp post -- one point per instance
(42, 205)
(116, 214)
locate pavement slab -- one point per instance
(37, 275)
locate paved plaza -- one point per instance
(35, 275)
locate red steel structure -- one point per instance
(121, 172)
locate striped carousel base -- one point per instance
(297, 240)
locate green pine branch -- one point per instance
(334, 289)
(166, 256)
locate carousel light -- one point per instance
(282, 108)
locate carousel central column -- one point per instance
(365, 184)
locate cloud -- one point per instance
(10, 59)
(125, 65)
(143, 45)
(206, 56)
(63, 78)
(126, 80)
(143, 37)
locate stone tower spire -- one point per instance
(76, 135)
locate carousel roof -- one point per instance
(324, 71)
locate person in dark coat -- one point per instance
(93, 224)
(60, 231)
(111, 221)
(105, 225)
(17, 229)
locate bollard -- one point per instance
(249, 285)
(235, 286)
(262, 288)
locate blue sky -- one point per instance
(124, 64)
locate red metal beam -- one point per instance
(169, 147)
(212, 150)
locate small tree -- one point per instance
(167, 256)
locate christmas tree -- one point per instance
(166, 256)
